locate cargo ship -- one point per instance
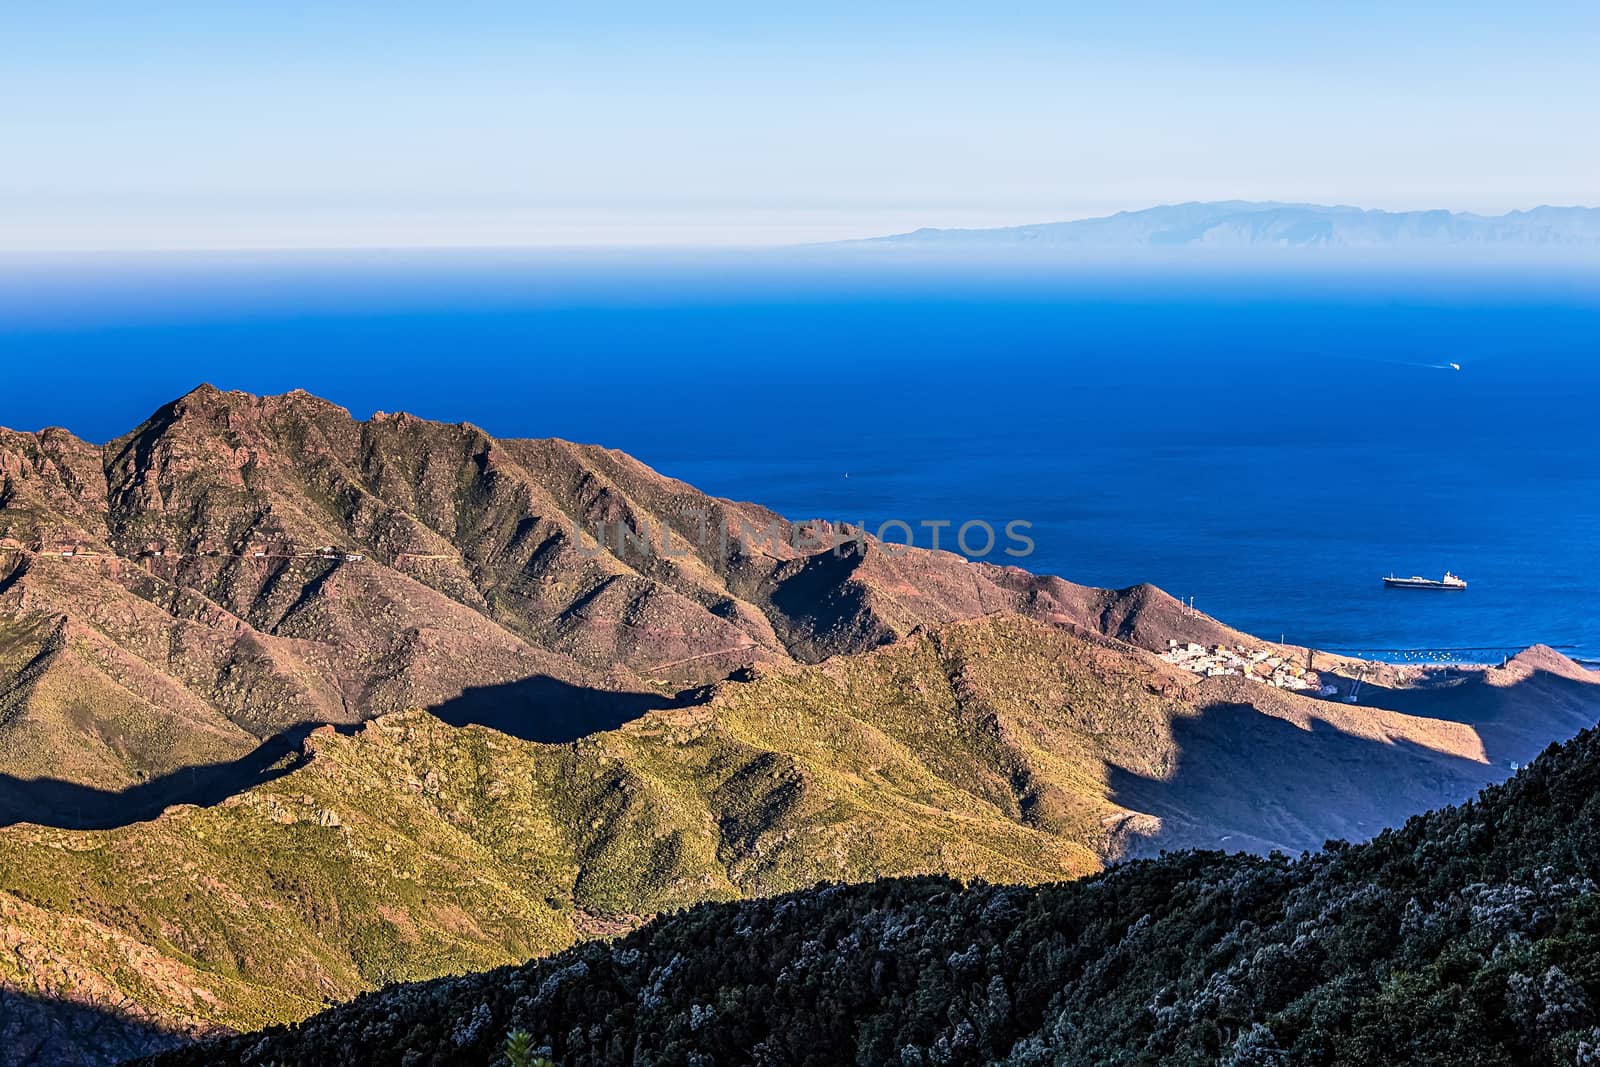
(1416, 581)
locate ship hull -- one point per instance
(1412, 583)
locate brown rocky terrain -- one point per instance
(240, 567)
(198, 832)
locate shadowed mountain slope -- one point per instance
(241, 566)
(39, 1032)
(1468, 936)
(1004, 748)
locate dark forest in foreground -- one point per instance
(1470, 936)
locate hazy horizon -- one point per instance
(177, 125)
(757, 247)
(1152, 421)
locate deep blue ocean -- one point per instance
(1269, 439)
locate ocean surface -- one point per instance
(1269, 439)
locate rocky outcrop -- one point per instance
(242, 566)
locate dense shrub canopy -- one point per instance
(1469, 936)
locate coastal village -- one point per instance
(1258, 665)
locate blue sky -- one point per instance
(184, 125)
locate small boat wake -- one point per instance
(1415, 364)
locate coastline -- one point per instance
(1464, 656)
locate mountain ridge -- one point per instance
(295, 705)
(1466, 936)
(1003, 749)
(268, 563)
(1258, 224)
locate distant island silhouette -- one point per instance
(1270, 224)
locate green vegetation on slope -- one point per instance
(409, 849)
(1470, 936)
(995, 749)
(165, 609)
